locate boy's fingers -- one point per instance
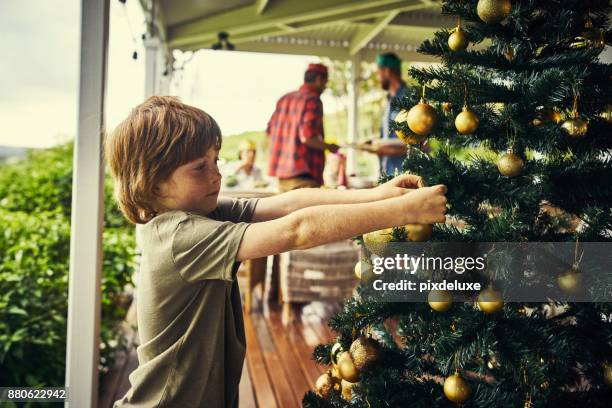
(411, 180)
(441, 188)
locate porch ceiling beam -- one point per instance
(418, 31)
(297, 13)
(365, 34)
(261, 6)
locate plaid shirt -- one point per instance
(298, 117)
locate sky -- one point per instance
(39, 72)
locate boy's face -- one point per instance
(193, 186)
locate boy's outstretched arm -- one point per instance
(317, 225)
(271, 208)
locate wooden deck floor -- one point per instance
(278, 369)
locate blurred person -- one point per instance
(245, 173)
(295, 132)
(389, 75)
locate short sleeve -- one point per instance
(203, 248)
(311, 124)
(234, 209)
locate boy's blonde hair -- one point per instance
(158, 136)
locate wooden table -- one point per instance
(255, 269)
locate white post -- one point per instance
(152, 65)
(353, 111)
(83, 337)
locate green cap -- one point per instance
(389, 60)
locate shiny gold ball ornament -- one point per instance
(346, 367)
(402, 117)
(467, 121)
(493, 11)
(575, 127)
(366, 352)
(324, 385)
(490, 301)
(457, 389)
(510, 165)
(422, 118)
(377, 241)
(440, 300)
(418, 232)
(458, 40)
(570, 282)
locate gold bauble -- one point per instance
(346, 367)
(457, 389)
(458, 41)
(510, 165)
(440, 300)
(536, 122)
(576, 128)
(422, 118)
(607, 374)
(324, 385)
(570, 282)
(493, 11)
(418, 232)
(402, 117)
(347, 389)
(466, 122)
(489, 301)
(365, 352)
(377, 241)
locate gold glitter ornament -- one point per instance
(324, 385)
(510, 165)
(366, 352)
(493, 11)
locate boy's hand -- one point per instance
(400, 185)
(425, 205)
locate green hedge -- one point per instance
(35, 199)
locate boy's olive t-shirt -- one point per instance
(192, 342)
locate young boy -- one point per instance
(163, 158)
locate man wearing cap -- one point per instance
(295, 131)
(390, 77)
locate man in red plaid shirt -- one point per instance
(297, 146)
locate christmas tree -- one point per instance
(522, 90)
